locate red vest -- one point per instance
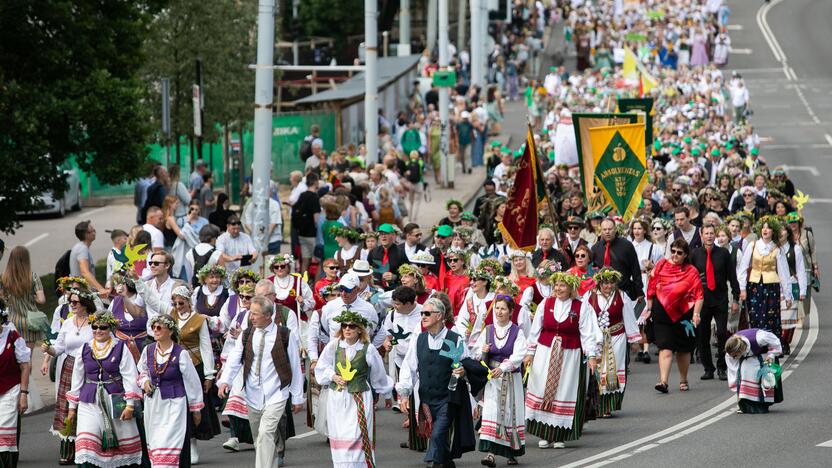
(9, 367)
(568, 330)
(616, 309)
(489, 316)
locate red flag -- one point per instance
(520, 222)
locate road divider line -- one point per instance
(92, 212)
(828, 138)
(806, 105)
(36, 239)
(708, 417)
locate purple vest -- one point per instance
(133, 327)
(497, 355)
(751, 335)
(106, 371)
(233, 305)
(170, 383)
(202, 303)
(64, 311)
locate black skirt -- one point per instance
(209, 426)
(679, 336)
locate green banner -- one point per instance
(639, 105)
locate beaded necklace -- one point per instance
(101, 353)
(159, 353)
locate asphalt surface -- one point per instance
(697, 428)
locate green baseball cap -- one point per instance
(444, 231)
(688, 140)
(755, 151)
(387, 228)
(714, 152)
(695, 152)
(495, 143)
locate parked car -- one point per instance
(69, 200)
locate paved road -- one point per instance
(697, 428)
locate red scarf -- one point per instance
(676, 287)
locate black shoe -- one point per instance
(646, 359)
(640, 356)
(708, 375)
(787, 349)
(404, 445)
(722, 374)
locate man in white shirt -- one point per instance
(275, 229)
(154, 222)
(270, 357)
(158, 269)
(196, 257)
(235, 246)
(739, 99)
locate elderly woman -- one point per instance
(194, 337)
(211, 295)
(522, 271)
(501, 348)
(617, 320)
(15, 362)
(471, 316)
(564, 331)
(745, 354)
(763, 274)
(291, 291)
(75, 332)
(674, 300)
(583, 269)
(353, 370)
(103, 396)
(172, 389)
(456, 280)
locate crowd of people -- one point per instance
(465, 336)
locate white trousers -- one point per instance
(264, 429)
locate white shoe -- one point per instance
(558, 445)
(543, 444)
(232, 444)
(194, 453)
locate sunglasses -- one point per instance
(658, 228)
(580, 255)
(748, 195)
(427, 313)
(245, 297)
(233, 223)
(416, 234)
(157, 327)
(281, 266)
(453, 260)
(74, 302)
(155, 263)
(332, 267)
(179, 303)
(677, 252)
(573, 228)
(345, 290)
(349, 326)
(100, 327)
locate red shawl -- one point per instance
(587, 283)
(455, 287)
(676, 287)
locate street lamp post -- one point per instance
(371, 80)
(444, 97)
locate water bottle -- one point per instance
(453, 382)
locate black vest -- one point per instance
(434, 370)
(695, 241)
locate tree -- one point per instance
(221, 34)
(319, 18)
(69, 88)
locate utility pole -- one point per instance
(484, 41)
(263, 100)
(460, 27)
(404, 28)
(371, 80)
(444, 98)
(166, 118)
(430, 33)
(200, 82)
(476, 43)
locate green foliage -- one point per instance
(222, 33)
(319, 18)
(68, 86)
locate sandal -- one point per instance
(512, 461)
(683, 386)
(661, 387)
(489, 461)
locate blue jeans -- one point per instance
(439, 448)
(274, 247)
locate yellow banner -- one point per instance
(619, 155)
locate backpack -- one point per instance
(62, 265)
(199, 262)
(305, 150)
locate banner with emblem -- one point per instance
(643, 107)
(595, 200)
(526, 196)
(619, 156)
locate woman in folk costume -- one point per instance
(353, 369)
(65, 285)
(211, 295)
(128, 309)
(291, 292)
(798, 280)
(519, 315)
(583, 269)
(75, 331)
(617, 320)
(235, 408)
(501, 347)
(470, 319)
(763, 274)
(674, 300)
(15, 368)
(563, 332)
(424, 260)
(349, 247)
(232, 314)
(195, 338)
(456, 279)
(172, 395)
(534, 295)
(315, 405)
(103, 397)
(749, 355)
(522, 271)
(462, 240)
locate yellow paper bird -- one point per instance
(128, 256)
(801, 199)
(346, 372)
(487, 368)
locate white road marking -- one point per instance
(812, 169)
(739, 51)
(796, 146)
(819, 200)
(36, 239)
(305, 434)
(806, 105)
(828, 444)
(704, 419)
(92, 212)
(828, 138)
(734, 27)
(766, 139)
(767, 34)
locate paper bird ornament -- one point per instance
(128, 256)
(690, 330)
(345, 371)
(801, 199)
(454, 352)
(398, 334)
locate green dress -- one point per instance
(30, 322)
(330, 245)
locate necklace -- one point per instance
(160, 353)
(78, 326)
(100, 353)
(497, 335)
(279, 283)
(184, 317)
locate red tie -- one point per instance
(386, 258)
(545, 255)
(607, 255)
(441, 271)
(709, 272)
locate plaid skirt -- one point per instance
(61, 403)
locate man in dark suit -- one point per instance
(571, 239)
(386, 258)
(412, 241)
(547, 251)
(618, 253)
(717, 270)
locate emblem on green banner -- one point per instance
(619, 172)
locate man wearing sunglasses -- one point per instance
(619, 254)
(159, 266)
(235, 246)
(684, 229)
(571, 239)
(386, 258)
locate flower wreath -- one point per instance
(168, 322)
(105, 316)
(66, 281)
(350, 316)
(492, 263)
(607, 275)
(408, 269)
(506, 284)
(280, 259)
(547, 268)
(480, 274)
(243, 273)
(209, 270)
(774, 222)
(567, 278)
(347, 233)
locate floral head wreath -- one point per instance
(504, 283)
(245, 289)
(168, 322)
(408, 269)
(774, 222)
(461, 253)
(607, 275)
(465, 232)
(105, 316)
(329, 290)
(480, 274)
(209, 270)
(84, 295)
(281, 258)
(492, 263)
(367, 235)
(547, 268)
(350, 316)
(567, 278)
(452, 202)
(67, 281)
(351, 234)
(243, 273)
(663, 223)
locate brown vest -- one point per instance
(280, 355)
(189, 337)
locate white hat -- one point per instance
(465, 114)
(349, 281)
(360, 268)
(422, 257)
